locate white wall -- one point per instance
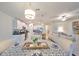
(14, 24)
(5, 26)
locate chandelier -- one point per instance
(29, 13)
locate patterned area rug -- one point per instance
(55, 50)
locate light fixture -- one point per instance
(64, 17)
(29, 13)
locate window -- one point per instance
(60, 29)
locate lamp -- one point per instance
(29, 13)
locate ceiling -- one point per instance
(45, 11)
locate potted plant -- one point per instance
(34, 39)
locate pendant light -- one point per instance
(29, 13)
